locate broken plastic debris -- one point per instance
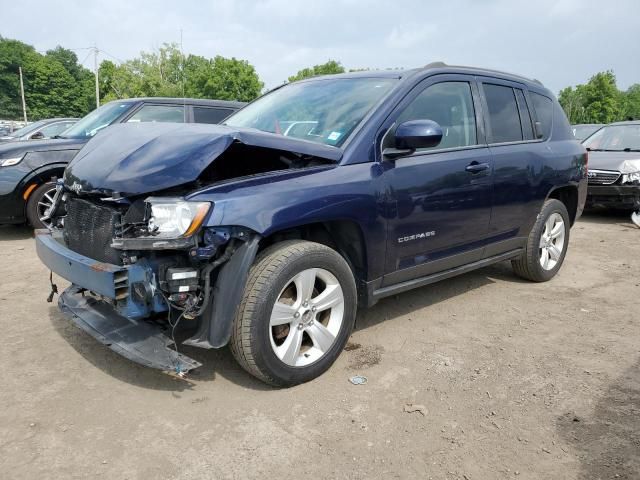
(635, 218)
(358, 380)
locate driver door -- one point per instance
(441, 195)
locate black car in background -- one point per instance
(28, 169)
(39, 130)
(584, 130)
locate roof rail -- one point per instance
(440, 64)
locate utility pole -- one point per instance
(24, 104)
(95, 68)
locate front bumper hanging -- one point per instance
(124, 331)
(137, 340)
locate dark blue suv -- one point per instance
(267, 232)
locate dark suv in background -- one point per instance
(266, 232)
(27, 169)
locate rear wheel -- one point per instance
(39, 202)
(296, 314)
(547, 244)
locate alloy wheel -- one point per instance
(552, 241)
(306, 317)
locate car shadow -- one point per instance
(221, 363)
(608, 440)
(404, 303)
(607, 217)
(214, 362)
(15, 232)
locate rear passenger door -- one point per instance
(517, 162)
(441, 195)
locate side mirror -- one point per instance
(414, 134)
(37, 136)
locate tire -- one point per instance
(264, 337)
(530, 265)
(38, 202)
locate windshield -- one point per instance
(583, 131)
(615, 138)
(323, 111)
(100, 118)
(32, 127)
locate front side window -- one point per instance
(449, 104)
(503, 114)
(323, 111)
(159, 113)
(55, 129)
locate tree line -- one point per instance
(600, 101)
(58, 85)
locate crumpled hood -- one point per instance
(135, 159)
(15, 149)
(624, 162)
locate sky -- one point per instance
(560, 42)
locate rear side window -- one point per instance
(503, 114)
(159, 113)
(544, 112)
(210, 115)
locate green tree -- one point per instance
(54, 83)
(331, 67)
(597, 101)
(631, 102)
(167, 74)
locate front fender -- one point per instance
(216, 322)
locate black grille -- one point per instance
(89, 228)
(603, 177)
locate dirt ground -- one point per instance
(511, 380)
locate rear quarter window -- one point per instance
(210, 114)
(544, 112)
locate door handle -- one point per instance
(475, 167)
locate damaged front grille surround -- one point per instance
(603, 177)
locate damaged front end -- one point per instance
(140, 269)
(142, 252)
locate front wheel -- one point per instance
(547, 244)
(296, 314)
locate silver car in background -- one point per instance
(614, 166)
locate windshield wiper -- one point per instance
(58, 136)
(631, 150)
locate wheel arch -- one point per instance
(344, 236)
(568, 195)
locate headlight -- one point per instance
(175, 217)
(8, 162)
(631, 177)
